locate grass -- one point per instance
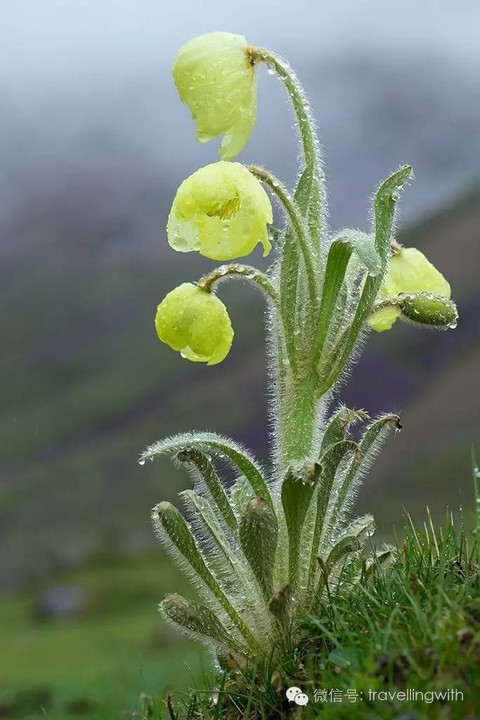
(411, 623)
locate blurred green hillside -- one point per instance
(86, 385)
(97, 662)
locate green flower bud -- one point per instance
(195, 323)
(214, 75)
(221, 211)
(409, 271)
(431, 310)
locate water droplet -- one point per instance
(141, 462)
(271, 71)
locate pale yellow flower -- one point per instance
(214, 75)
(195, 323)
(221, 211)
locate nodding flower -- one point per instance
(221, 211)
(215, 76)
(195, 322)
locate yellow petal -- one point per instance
(221, 211)
(409, 271)
(215, 77)
(195, 323)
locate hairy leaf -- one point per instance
(223, 447)
(297, 492)
(329, 462)
(258, 534)
(289, 267)
(368, 448)
(199, 622)
(337, 426)
(175, 533)
(384, 211)
(337, 261)
(208, 476)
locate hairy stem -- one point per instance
(247, 272)
(297, 222)
(298, 409)
(299, 102)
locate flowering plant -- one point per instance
(263, 551)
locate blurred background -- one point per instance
(94, 143)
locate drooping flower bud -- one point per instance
(221, 211)
(430, 310)
(195, 323)
(214, 75)
(409, 271)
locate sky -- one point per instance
(53, 38)
(389, 83)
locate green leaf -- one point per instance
(330, 462)
(368, 448)
(207, 478)
(345, 546)
(384, 211)
(204, 512)
(290, 262)
(174, 532)
(297, 492)
(282, 604)
(258, 532)
(337, 426)
(364, 246)
(337, 261)
(225, 560)
(361, 527)
(381, 558)
(198, 622)
(223, 447)
(240, 493)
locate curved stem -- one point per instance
(297, 222)
(256, 277)
(299, 102)
(388, 302)
(308, 135)
(207, 282)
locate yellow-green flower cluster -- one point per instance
(221, 211)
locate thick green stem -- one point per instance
(297, 396)
(298, 409)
